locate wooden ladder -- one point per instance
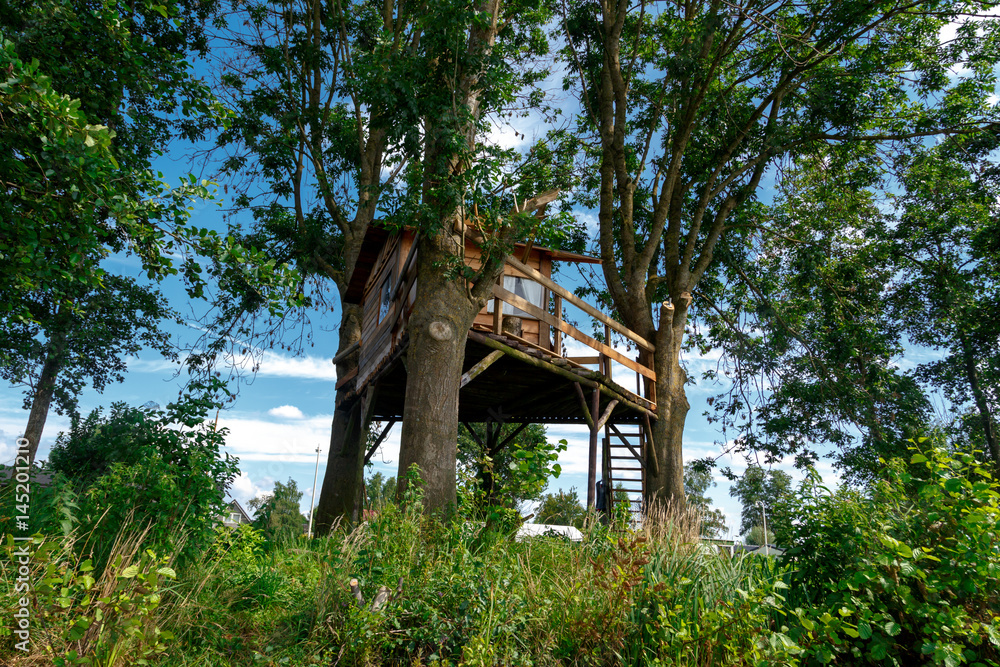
(624, 466)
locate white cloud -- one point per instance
(13, 418)
(307, 368)
(272, 364)
(244, 489)
(255, 439)
(286, 412)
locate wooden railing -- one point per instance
(645, 376)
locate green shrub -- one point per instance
(85, 616)
(159, 471)
(909, 574)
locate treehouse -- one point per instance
(517, 365)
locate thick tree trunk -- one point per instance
(44, 390)
(442, 314)
(344, 476)
(982, 405)
(672, 406)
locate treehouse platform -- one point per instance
(518, 368)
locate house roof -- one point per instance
(375, 238)
(38, 475)
(233, 504)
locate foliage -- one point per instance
(158, 470)
(277, 514)
(379, 490)
(949, 292)
(98, 330)
(77, 179)
(77, 190)
(510, 475)
(562, 508)
(686, 107)
(903, 573)
(241, 546)
(698, 480)
(759, 491)
(67, 155)
(755, 536)
(907, 574)
(103, 617)
(810, 282)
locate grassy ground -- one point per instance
(905, 573)
(457, 593)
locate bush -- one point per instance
(81, 615)
(158, 470)
(907, 575)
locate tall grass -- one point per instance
(460, 593)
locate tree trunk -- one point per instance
(671, 412)
(442, 314)
(344, 476)
(972, 375)
(44, 390)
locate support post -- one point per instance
(379, 440)
(595, 406)
(557, 334)
(609, 496)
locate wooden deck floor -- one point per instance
(522, 385)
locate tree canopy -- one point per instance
(687, 106)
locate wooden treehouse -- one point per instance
(516, 366)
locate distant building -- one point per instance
(235, 515)
(39, 477)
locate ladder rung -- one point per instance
(624, 479)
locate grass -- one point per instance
(466, 596)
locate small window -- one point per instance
(525, 288)
(234, 517)
(386, 299)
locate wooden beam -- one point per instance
(484, 363)
(595, 406)
(472, 432)
(525, 341)
(351, 374)
(584, 361)
(347, 352)
(650, 450)
(625, 442)
(510, 437)
(571, 331)
(557, 334)
(607, 413)
(536, 202)
(578, 302)
(583, 405)
(380, 439)
(410, 258)
(483, 339)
